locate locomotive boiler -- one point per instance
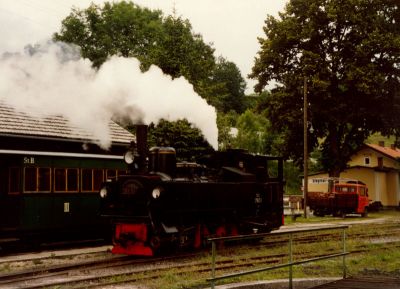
(163, 203)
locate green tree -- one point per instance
(251, 132)
(229, 86)
(349, 50)
(128, 30)
(292, 173)
(187, 140)
(122, 29)
(180, 52)
(226, 122)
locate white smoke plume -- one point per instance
(54, 80)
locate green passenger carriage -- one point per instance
(50, 175)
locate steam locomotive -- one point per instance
(163, 203)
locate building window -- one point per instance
(65, 180)
(367, 161)
(37, 180)
(91, 179)
(380, 162)
(14, 180)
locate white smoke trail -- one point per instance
(53, 79)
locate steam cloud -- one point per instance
(54, 80)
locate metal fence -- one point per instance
(290, 264)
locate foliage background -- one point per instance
(348, 49)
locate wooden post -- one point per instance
(305, 109)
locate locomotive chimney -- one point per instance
(141, 139)
(141, 144)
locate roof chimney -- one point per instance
(393, 146)
(381, 143)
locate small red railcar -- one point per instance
(345, 197)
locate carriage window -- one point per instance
(72, 180)
(60, 180)
(97, 179)
(87, 179)
(30, 179)
(14, 180)
(37, 180)
(65, 180)
(92, 179)
(44, 179)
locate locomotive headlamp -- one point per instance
(156, 192)
(129, 157)
(103, 192)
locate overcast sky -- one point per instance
(232, 26)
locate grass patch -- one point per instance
(330, 219)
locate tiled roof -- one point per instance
(13, 122)
(388, 151)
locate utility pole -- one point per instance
(305, 185)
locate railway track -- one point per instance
(81, 272)
(139, 270)
(117, 270)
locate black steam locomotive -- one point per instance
(164, 203)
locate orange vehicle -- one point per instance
(344, 197)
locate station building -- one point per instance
(376, 165)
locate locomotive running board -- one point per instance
(257, 224)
